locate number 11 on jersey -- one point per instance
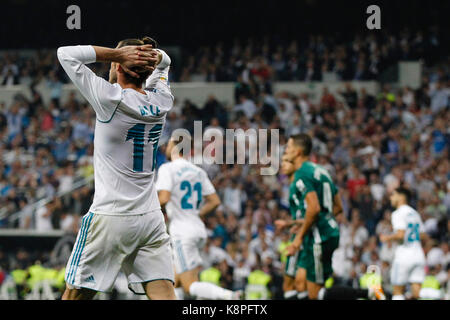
(136, 134)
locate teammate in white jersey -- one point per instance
(408, 265)
(124, 229)
(188, 195)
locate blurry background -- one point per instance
(376, 103)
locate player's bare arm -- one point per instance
(296, 226)
(283, 223)
(288, 223)
(212, 201)
(337, 205)
(398, 236)
(424, 236)
(164, 197)
(312, 211)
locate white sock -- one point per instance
(398, 297)
(321, 294)
(179, 292)
(302, 295)
(290, 294)
(206, 290)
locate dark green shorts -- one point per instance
(316, 259)
(294, 262)
(291, 264)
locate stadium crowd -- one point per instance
(363, 57)
(370, 145)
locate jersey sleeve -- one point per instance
(159, 79)
(208, 187)
(102, 95)
(398, 221)
(304, 183)
(164, 179)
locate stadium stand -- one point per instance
(369, 143)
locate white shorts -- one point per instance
(404, 272)
(187, 253)
(139, 245)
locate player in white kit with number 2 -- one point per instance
(124, 229)
(408, 266)
(188, 195)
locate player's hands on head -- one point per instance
(138, 57)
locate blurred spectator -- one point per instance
(44, 218)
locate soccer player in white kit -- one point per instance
(408, 265)
(188, 195)
(124, 228)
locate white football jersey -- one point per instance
(408, 219)
(127, 131)
(187, 184)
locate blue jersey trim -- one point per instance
(112, 116)
(80, 248)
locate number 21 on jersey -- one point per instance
(186, 200)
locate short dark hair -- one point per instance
(405, 192)
(304, 141)
(143, 74)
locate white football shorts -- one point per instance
(139, 245)
(187, 253)
(407, 271)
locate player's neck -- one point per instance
(401, 204)
(127, 85)
(175, 157)
(299, 162)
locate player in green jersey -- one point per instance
(294, 279)
(319, 203)
(319, 234)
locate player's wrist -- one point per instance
(298, 240)
(119, 55)
(160, 56)
(104, 54)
